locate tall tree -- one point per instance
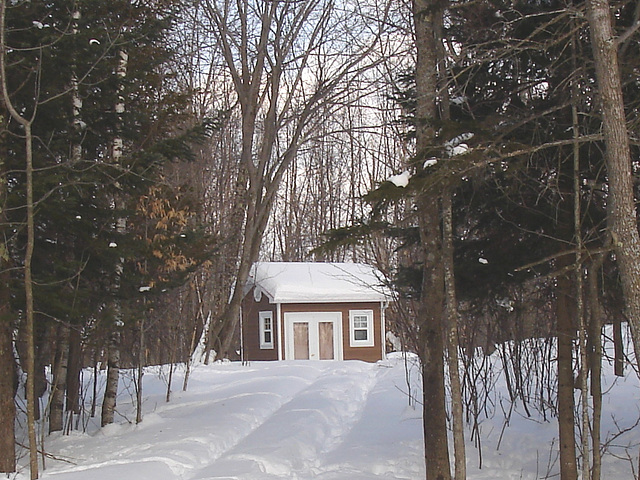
(26, 122)
(7, 361)
(271, 52)
(621, 209)
(427, 20)
(69, 53)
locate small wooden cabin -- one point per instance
(313, 311)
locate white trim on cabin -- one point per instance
(383, 328)
(313, 319)
(280, 334)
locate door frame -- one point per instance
(313, 319)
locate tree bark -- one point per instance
(74, 367)
(7, 360)
(622, 215)
(59, 385)
(141, 363)
(113, 374)
(618, 347)
(595, 340)
(431, 347)
(26, 123)
(578, 271)
(565, 313)
(7, 376)
(460, 457)
(29, 313)
(113, 362)
(430, 321)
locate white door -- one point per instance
(313, 336)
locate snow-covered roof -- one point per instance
(312, 282)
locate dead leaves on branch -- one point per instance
(163, 223)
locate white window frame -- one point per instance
(263, 317)
(370, 341)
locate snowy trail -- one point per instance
(316, 419)
(312, 421)
(386, 419)
(180, 436)
(283, 420)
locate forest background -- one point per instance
(482, 155)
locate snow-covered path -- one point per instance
(292, 442)
(265, 421)
(308, 421)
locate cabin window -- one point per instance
(361, 328)
(266, 330)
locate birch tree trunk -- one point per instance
(113, 374)
(113, 364)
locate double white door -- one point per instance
(313, 336)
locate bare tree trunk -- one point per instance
(460, 457)
(26, 123)
(7, 360)
(430, 321)
(578, 275)
(451, 302)
(595, 337)
(141, 362)
(566, 335)
(231, 317)
(94, 395)
(268, 49)
(622, 215)
(172, 361)
(7, 374)
(59, 386)
(578, 269)
(28, 286)
(227, 273)
(192, 346)
(618, 347)
(584, 375)
(74, 368)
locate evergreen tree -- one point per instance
(61, 62)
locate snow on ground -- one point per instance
(310, 420)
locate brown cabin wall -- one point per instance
(251, 329)
(368, 354)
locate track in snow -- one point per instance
(272, 420)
